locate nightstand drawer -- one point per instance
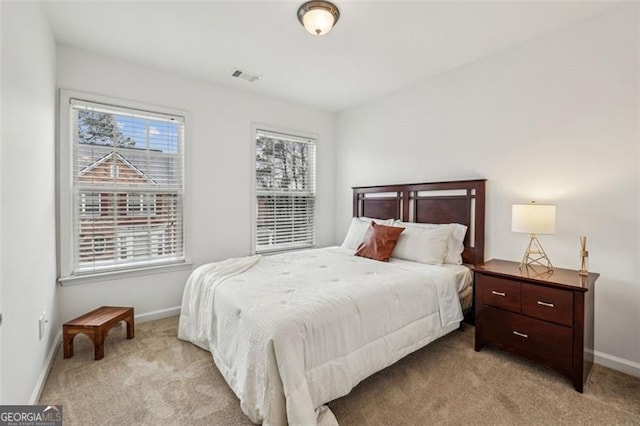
(547, 303)
(535, 339)
(498, 292)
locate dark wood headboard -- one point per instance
(460, 201)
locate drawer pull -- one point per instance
(498, 293)
(550, 305)
(520, 334)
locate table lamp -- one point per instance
(534, 219)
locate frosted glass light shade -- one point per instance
(318, 21)
(533, 218)
(318, 17)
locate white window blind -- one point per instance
(285, 192)
(127, 188)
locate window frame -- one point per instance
(64, 186)
(258, 127)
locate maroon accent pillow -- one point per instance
(379, 242)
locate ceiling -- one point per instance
(376, 48)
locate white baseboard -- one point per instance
(46, 368)
(616, 363)
(155, 315)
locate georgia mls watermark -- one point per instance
(30, 415)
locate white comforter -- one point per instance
(291, 332)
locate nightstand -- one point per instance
(544, 316)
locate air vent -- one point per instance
(245, 75)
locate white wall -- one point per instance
(1, 203)
(27, 170)
(554, 120)
(219, 162)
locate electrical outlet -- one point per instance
(42, 325)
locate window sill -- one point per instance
(285, 250)
(129, 273)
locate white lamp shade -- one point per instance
(318, 21)
(533, 218)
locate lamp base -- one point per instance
(535, 255)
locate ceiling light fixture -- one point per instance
(318, 17)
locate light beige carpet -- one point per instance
(157, 379)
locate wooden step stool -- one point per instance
(96, 324)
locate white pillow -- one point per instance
(358, 228)
(455, 243)
(424, 245)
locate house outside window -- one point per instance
(285, 192)
(122, 187)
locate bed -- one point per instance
(291, 332)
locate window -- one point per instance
(99, 244)
(123, 206)
(285, 192)
(89, 204)
(141, 204)
(132, 243)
